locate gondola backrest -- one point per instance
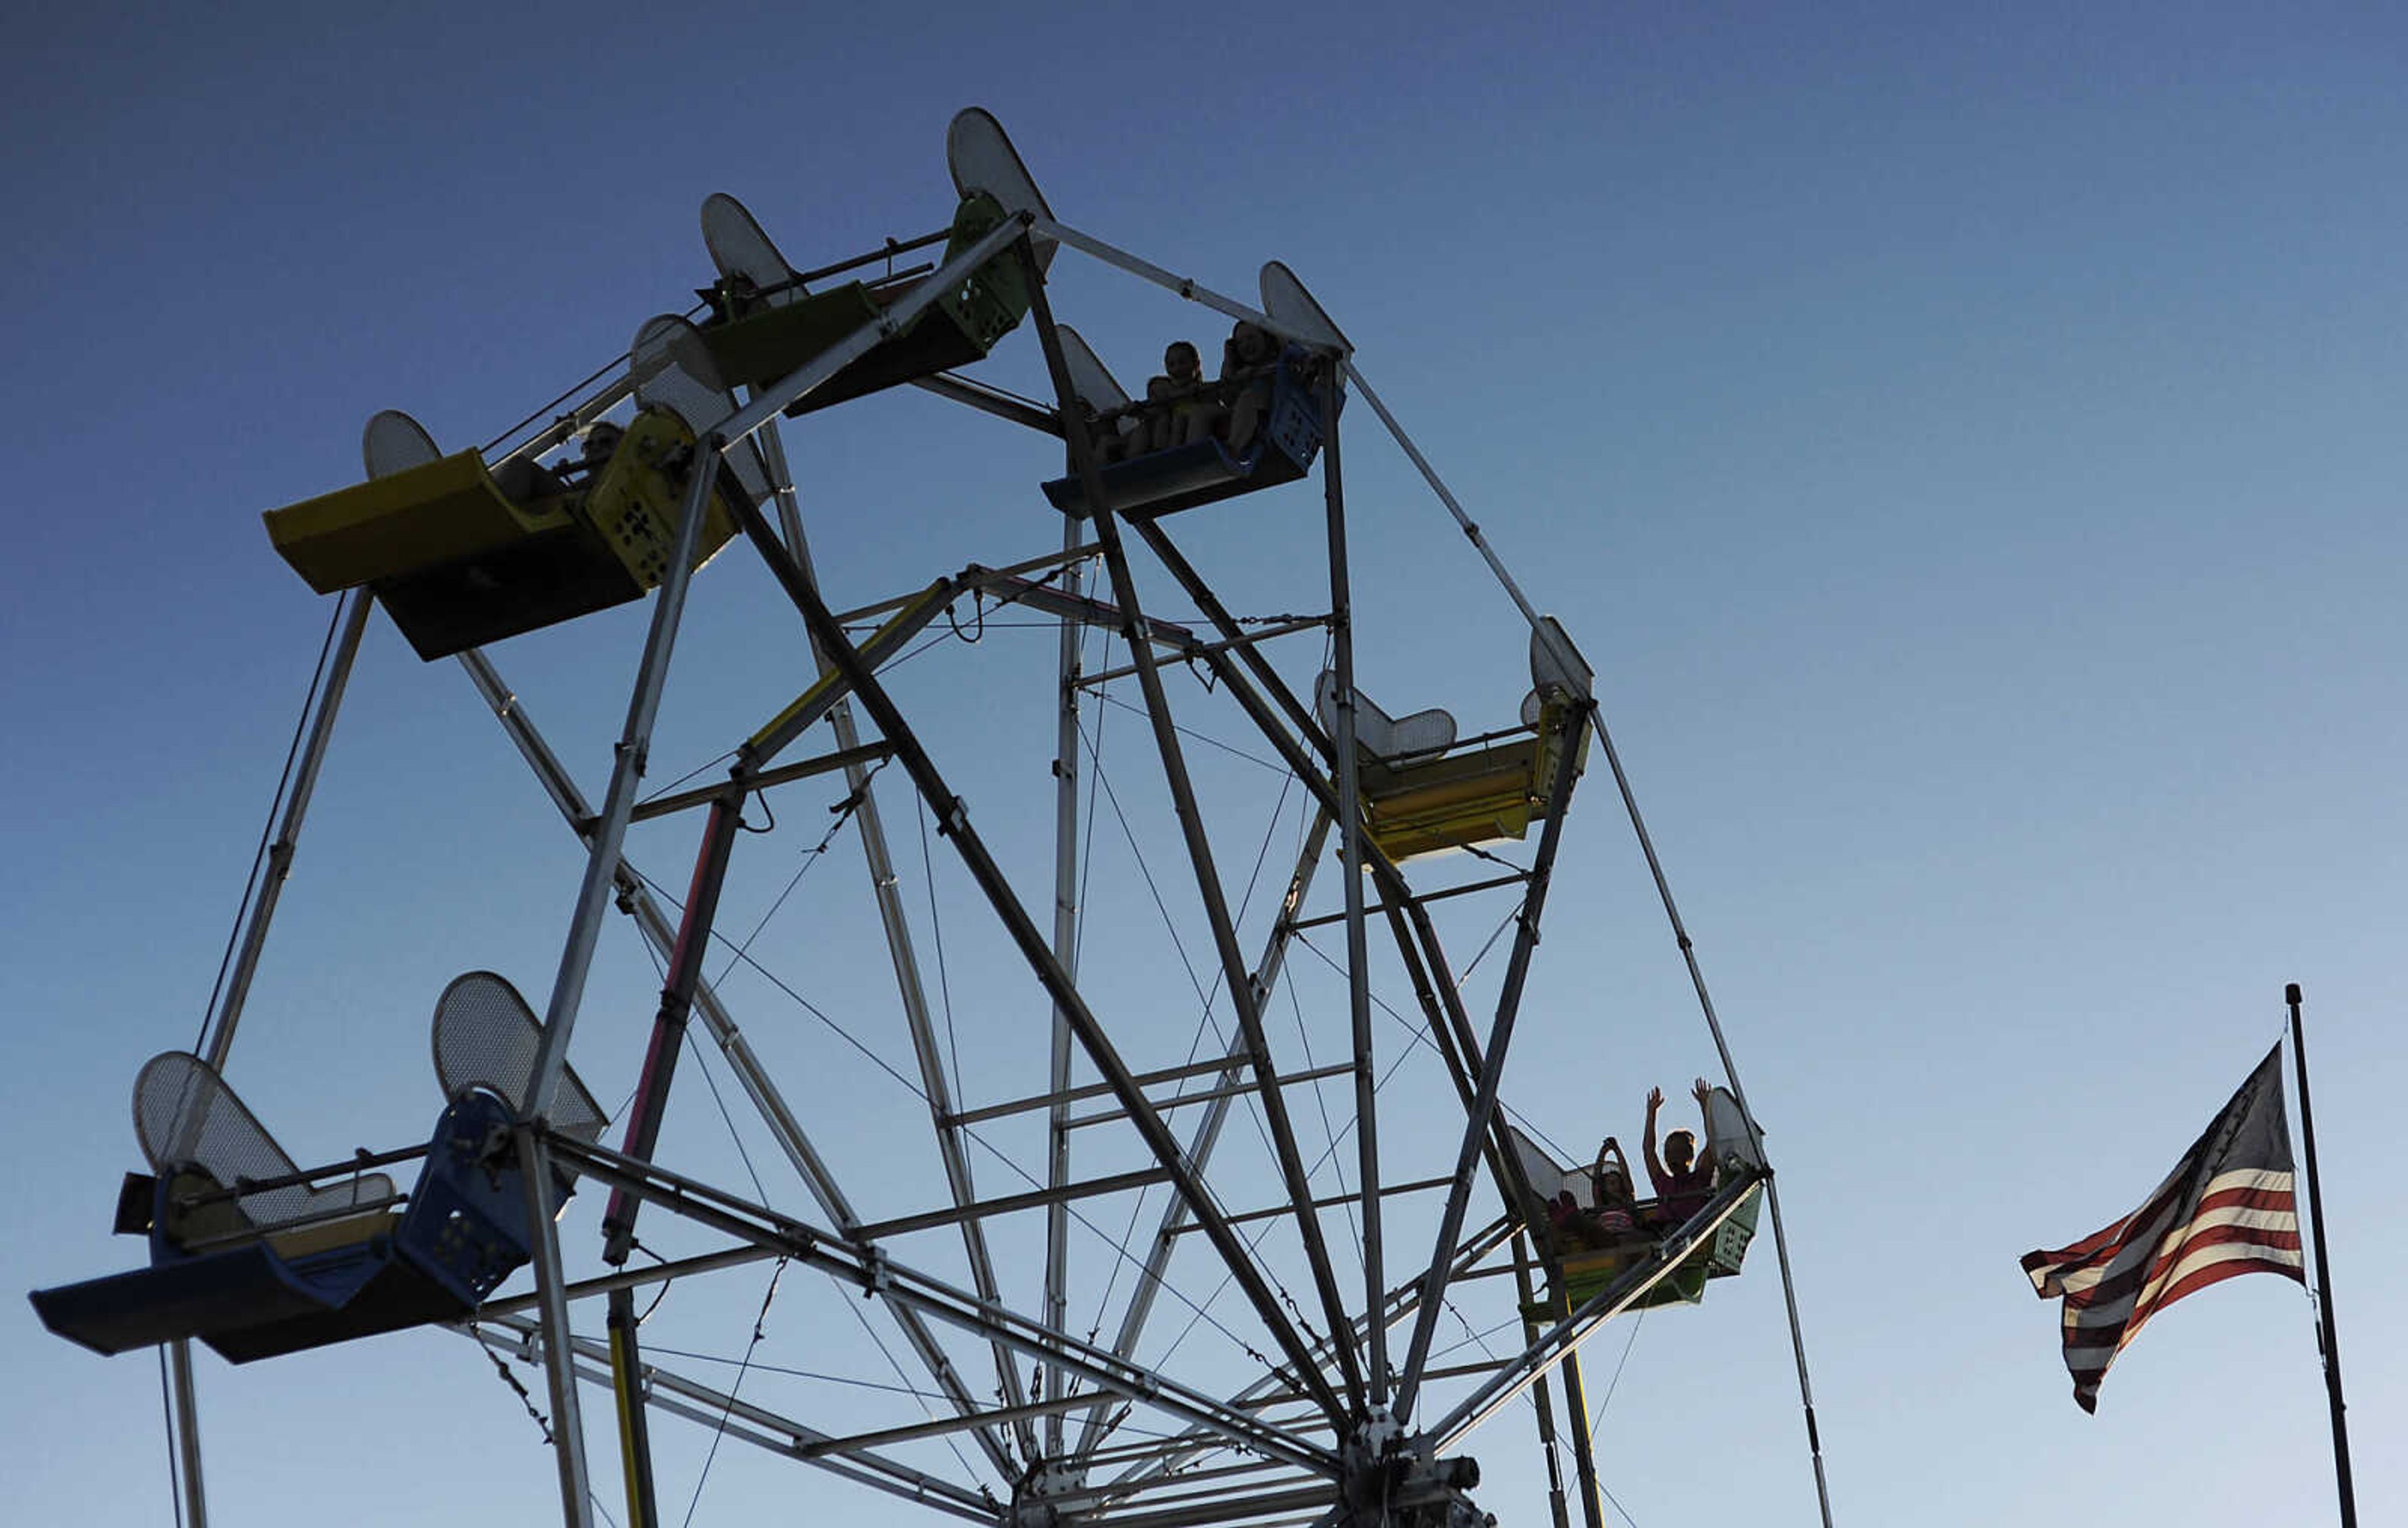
(485, 1037)
(186, 1117)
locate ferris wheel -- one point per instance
(1136, 1146)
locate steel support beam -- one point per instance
(1574, 1395)
(953, 816)
(1069, 659)
(560, 1372)
(1049, 1199)
(624, 1278)
(1087, 1091)
(626, 774)
(870, 1268)
(1350, 852)
(1208, 889)
(1231, 1089)
(184, 1422)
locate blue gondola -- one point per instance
(1180, 477)
(257, 1260)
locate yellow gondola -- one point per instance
(1423, 794)
(458, 562)
(760, 337)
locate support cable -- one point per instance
(1730, 1074)
(720, 1432)
(267, 828)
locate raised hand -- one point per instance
(1702, 1091)
(1655, 1098)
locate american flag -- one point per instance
(2226, 1208)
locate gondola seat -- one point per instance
(757, 341)
(1202, 472)
(1587, 1273)
(1423, 795)
(1735, 1146)
(458, 562)
(255, 1272)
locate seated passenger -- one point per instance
(1249, 349)
(601, 444)
(1575, 1228)
(1618, 1207)
(523, 480)
(1177, 415)
(1682, 1182)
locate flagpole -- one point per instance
(2325, 1337)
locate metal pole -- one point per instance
(1547, 1406)
(559, 1357)
(1066, 949)
(626, 773)
(1350, 851)
(1576, 1402)
(1469, 528)
(1492, 1065)
(1187, 287)
(185, 1422)
(2327, 1339)
(627, 1385)
(354, 618)
(1200, 849)
(643, 1133)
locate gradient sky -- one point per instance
(1967, 446)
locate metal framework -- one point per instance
(1330, 1426)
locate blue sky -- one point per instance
(1966, 446)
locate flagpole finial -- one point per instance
(2291, 992)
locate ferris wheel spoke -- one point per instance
(661, 934)
(1242, 997)
(953, 817)
(1207, 1135)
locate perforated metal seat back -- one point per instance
(674, 371)
(1091, 381)
(981, 157)
(740, 248)
(1383, 736)
(185, 1113)
(486, 1036)
(1547, 1178)
(393, 442)
(1729, 1133)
